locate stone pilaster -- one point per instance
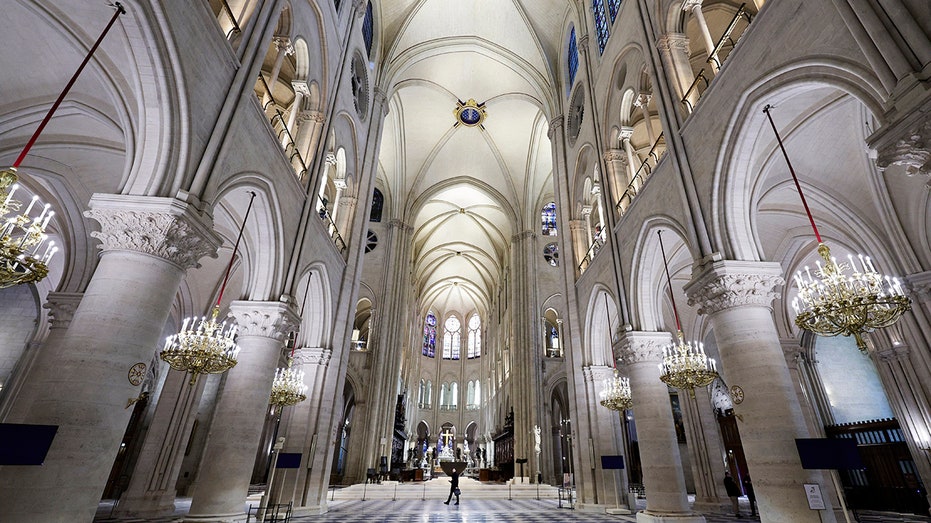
(737, 297)
(226, 468)
(607, 439)
(663, 479)
(148, 243)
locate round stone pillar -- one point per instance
(738, 297)
(148, 243)
(222, 483)
(663, 479)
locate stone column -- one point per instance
(310, 123)
(663, 480)
(18, 395)
(148, 243)
(299, 429)
(607, 440)
(596, 192)
(633, 160)
(643, 102)
(284, 47)
(737, 296)
(226, 468)
(674, 51)
(151, 492)
(694, 6)
(577, 233)
(617, 175)
(300, 91)
(706, 451)
(587, 216)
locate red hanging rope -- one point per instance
(35, 136)
(792, 170)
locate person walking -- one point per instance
(733, 492)
(453, 488)
(748, 488)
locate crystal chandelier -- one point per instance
(685, 364)
(207, 347)
(840, 298)
(615, 394)
(22, 236)
(288, 388)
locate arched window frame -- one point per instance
(475, 337)
(378, 204)
(601, 24)
(429, 335)
(452, 339)
(572, 60)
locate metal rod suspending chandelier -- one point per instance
(685, 364)
(289, 388)
(615, 392)
(837, 298)
(24, 254)
(205, 346)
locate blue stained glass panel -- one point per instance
(573, 60)
(429, 336)
(601, 24)
(368, 28)
(614, 7)
(549, 219)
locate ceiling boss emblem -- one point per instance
(470, 114)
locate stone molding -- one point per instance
(164, 227)
(625, 133)
(728, 284)
(313, 356)
(267, 319)
(597, 373)
(61, 306)
(582, 44)
(642, 347)
(919, 285)
(311, 116)
(395, 223)
(892, 354)
(642, 100)
(673, 42)
(688, 5)
(283, 44)
(615, 155)
(555, 124)
(913, 151)
(524, 235)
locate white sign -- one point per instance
(813, 493)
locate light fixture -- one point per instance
(22, 235)
(288, 388)
(204, 345)
(685, 365)
(615, 394)
(840, 298)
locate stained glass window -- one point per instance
(614, 6)
(573, 60)
(429, 335)
(451, 339)
(378, 202)
(475, 337)
(549, 219)
(551, 254)
(368, 28)
(601, 24)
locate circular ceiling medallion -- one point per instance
(470, 113)
(136, 373)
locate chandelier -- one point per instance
(22, 236)
(615, 394)
(288, 388)
(207, 347)
(685, 364)
(840, 298)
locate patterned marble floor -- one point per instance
(475, 511)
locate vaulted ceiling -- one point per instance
(468, 190)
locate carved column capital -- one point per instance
(727, 284)
(555, 125)
(919, 285)
(643, 99)
(615, 155)
(164, 227)
(313, 356)
(892, 354)
(641, 347)
(395, 223)
(283, 45)
(597, 373)
(267, 319)
(330, 159)
(625, 133)
(61, 306)
(912, 151)
(689, 5)
(300, 86)
(582, 44)
(586, 210)
(670, 42)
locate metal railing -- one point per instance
(280, 126)
(717, 58)
(596, 245)
(331, 229)
(232, 17)
(657, 151)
